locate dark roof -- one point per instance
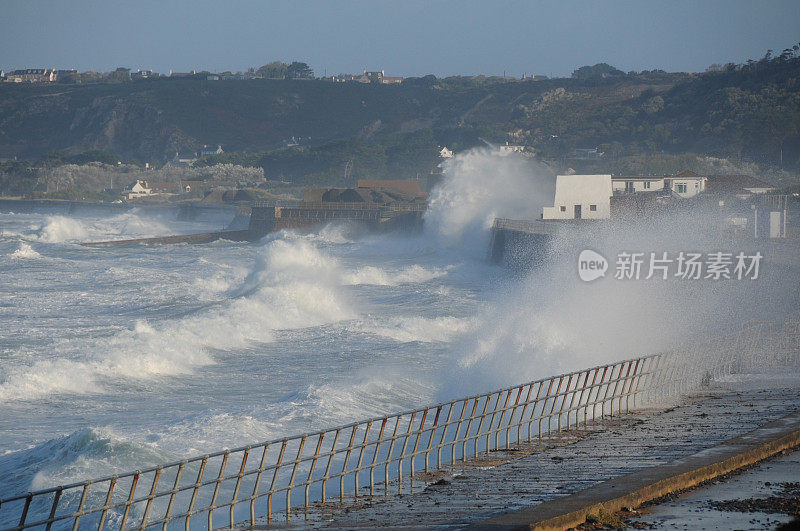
(733, 183)
(686, 174)
(636, 177)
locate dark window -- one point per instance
(563, 209)
(593, 208)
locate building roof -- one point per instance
(636, 178)
(140, 182)
(725, 184)
(686, 174)
(403, 186)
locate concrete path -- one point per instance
(486, 489)
(752, 499)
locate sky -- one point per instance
(406, 38)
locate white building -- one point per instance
(581, 197)
(628, 185)
(508, 149)
(686, 183)
(446, 153)
(137, 189)
(211, 150)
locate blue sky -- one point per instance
(404, 38)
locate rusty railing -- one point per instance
(279, 478)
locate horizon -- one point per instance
(444, 39)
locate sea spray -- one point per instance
(549, 321)
(479, 186)
(25, 252)
(60, 229)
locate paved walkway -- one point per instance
(748, 500)
(485, 489)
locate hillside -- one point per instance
(744, 112)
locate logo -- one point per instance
(591, 265)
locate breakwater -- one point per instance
(521, 244)
(265, 219)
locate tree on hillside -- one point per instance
(273, 70)
(600, 70)
(298, 70)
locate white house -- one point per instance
(627, 184)
(446, 153)
(581, 197)
(741, 186)
(508, 149)
(686, 183)
(138, 189)
(211, 150)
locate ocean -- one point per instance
(118, 358)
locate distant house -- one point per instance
(237, 77)
(689, 184)
(143, 74)
(390, 80)
(685, 183)
(446, 153)
(625, 184)
(32, 75)
(138, 188)
(580, 197)
(183, 74)
(165, 187)
(508, 149)
(741, 186)
(185, 160)
(211, 150)
(196, 187)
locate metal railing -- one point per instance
(387, 454)
(335, 205)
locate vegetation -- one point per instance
(642, 121)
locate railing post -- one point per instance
(174, 491)
(378, 443)
(275, 473)
(150, 497)
(235, 496)
(292, 476)
(220, 475)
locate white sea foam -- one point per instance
(421, 329)
(60, 229)
(25, 252)
(293, 285)
(377, 276)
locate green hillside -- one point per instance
(745, 112)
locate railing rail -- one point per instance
(387, 454)
(326, 205)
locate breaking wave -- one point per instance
(25, 252)
(292, 285)
(61, 229)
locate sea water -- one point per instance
(119, 358)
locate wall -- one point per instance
(584, 190)
(638, 185)
(693, 186)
